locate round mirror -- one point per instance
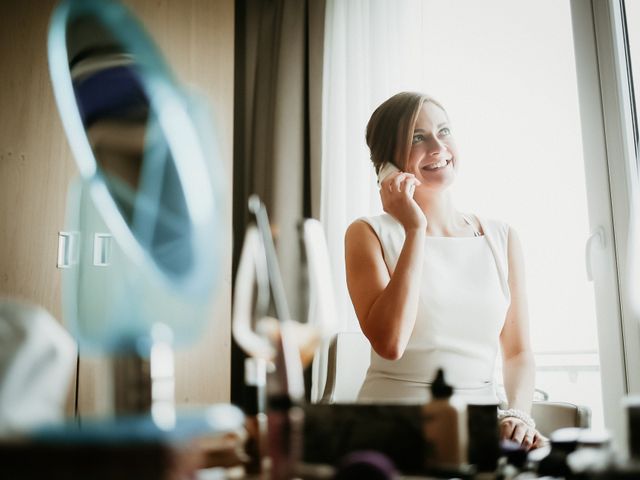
(146, 171)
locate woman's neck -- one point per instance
(442, 217)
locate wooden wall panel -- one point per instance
(35, 161)
(197, 38)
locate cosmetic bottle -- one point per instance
(483, 436)
(563, 442)
(512, 462)
(256, 419)
(444, 427)
(632, 406)
(593, 454)
(285, 417)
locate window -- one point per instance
(505, 72)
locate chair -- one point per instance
(352, 352)
(550, 416)
(348, 361)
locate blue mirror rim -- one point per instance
(171, 108)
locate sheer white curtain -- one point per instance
(372, 50)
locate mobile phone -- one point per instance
(388, 169)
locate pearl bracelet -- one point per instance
(519, 414)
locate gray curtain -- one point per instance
(277, 127)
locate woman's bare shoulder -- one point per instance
(371, 225)
(360, 231)
(359, 226)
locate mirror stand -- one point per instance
(145, 383)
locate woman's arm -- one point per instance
(386, 305)
(517, 356)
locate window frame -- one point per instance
(634, 105)
(611, 174)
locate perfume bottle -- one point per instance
(444, 427)
(255, 372)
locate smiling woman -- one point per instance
(433, 287)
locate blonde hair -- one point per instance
(390, 128)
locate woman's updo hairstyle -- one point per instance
(390, 128)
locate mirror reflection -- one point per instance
(145, 210)
(129, 145)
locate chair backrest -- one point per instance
(550, 416)
(348, 360)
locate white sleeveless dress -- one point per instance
(463, 302)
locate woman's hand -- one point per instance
(516, 430)
(396, 192)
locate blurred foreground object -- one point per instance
(94, 461)
(127, 448)
(37, 357)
